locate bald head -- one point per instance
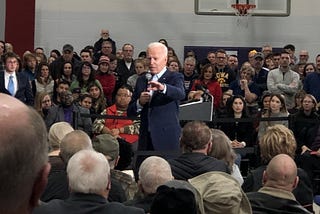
(72, 143)
(281, 173)
(24, 157)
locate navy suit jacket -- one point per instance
(160, 117)
(24, 93)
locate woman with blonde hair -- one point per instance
(222, 150)
(278, 139)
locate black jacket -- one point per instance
(79, 203)
(303, 192)
(190, 165)
(264, 203)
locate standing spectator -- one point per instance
(106, 50)
(260, 77)
(206, 83)
(29, 66)
(290, 49)
(126, 65)
(105, 36)
(2, 52)
(106, 78)
(67, 55)
(24, 155)
(174, 65)
(67, 72)
(189, 73)
(43, 81)
(266, 49)
(311, 83)
(284, 81)
(233, 62)
(15, 83)
(85, 77)
(247, 88)
(224, 74)
(86, 56)
(141, 69)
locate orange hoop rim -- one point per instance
(242, 9)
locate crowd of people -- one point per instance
(102, 106)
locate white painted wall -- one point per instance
(139, 22)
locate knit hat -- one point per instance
(107, 145)
(57, 131)
(220, 193)
(104, 59)
(171, 200)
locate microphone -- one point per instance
(148, 79)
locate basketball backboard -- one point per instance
(223, 7)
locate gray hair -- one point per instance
(74, 142)
(159, 45)
(154, 171)
(23, 152)
(88, 172)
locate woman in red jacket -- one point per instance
(206, 81)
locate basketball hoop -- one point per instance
(243, 11)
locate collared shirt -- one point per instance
(15, 82)
(277, 193)
(155, 77)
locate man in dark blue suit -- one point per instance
(20, 86)
(157, 102)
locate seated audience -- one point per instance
(174, 197)
(57, 173)
(278, 139)
(153, 172)
(99, 101)
(277, 108)
(89, 181)
(43, 103)
(120, 181)
(66, 111)
(126, 131)
(240, 133)
(24, 159)
(279, 180)
(72, 142)
(196, 143)
(222, 150)
(220, 193)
